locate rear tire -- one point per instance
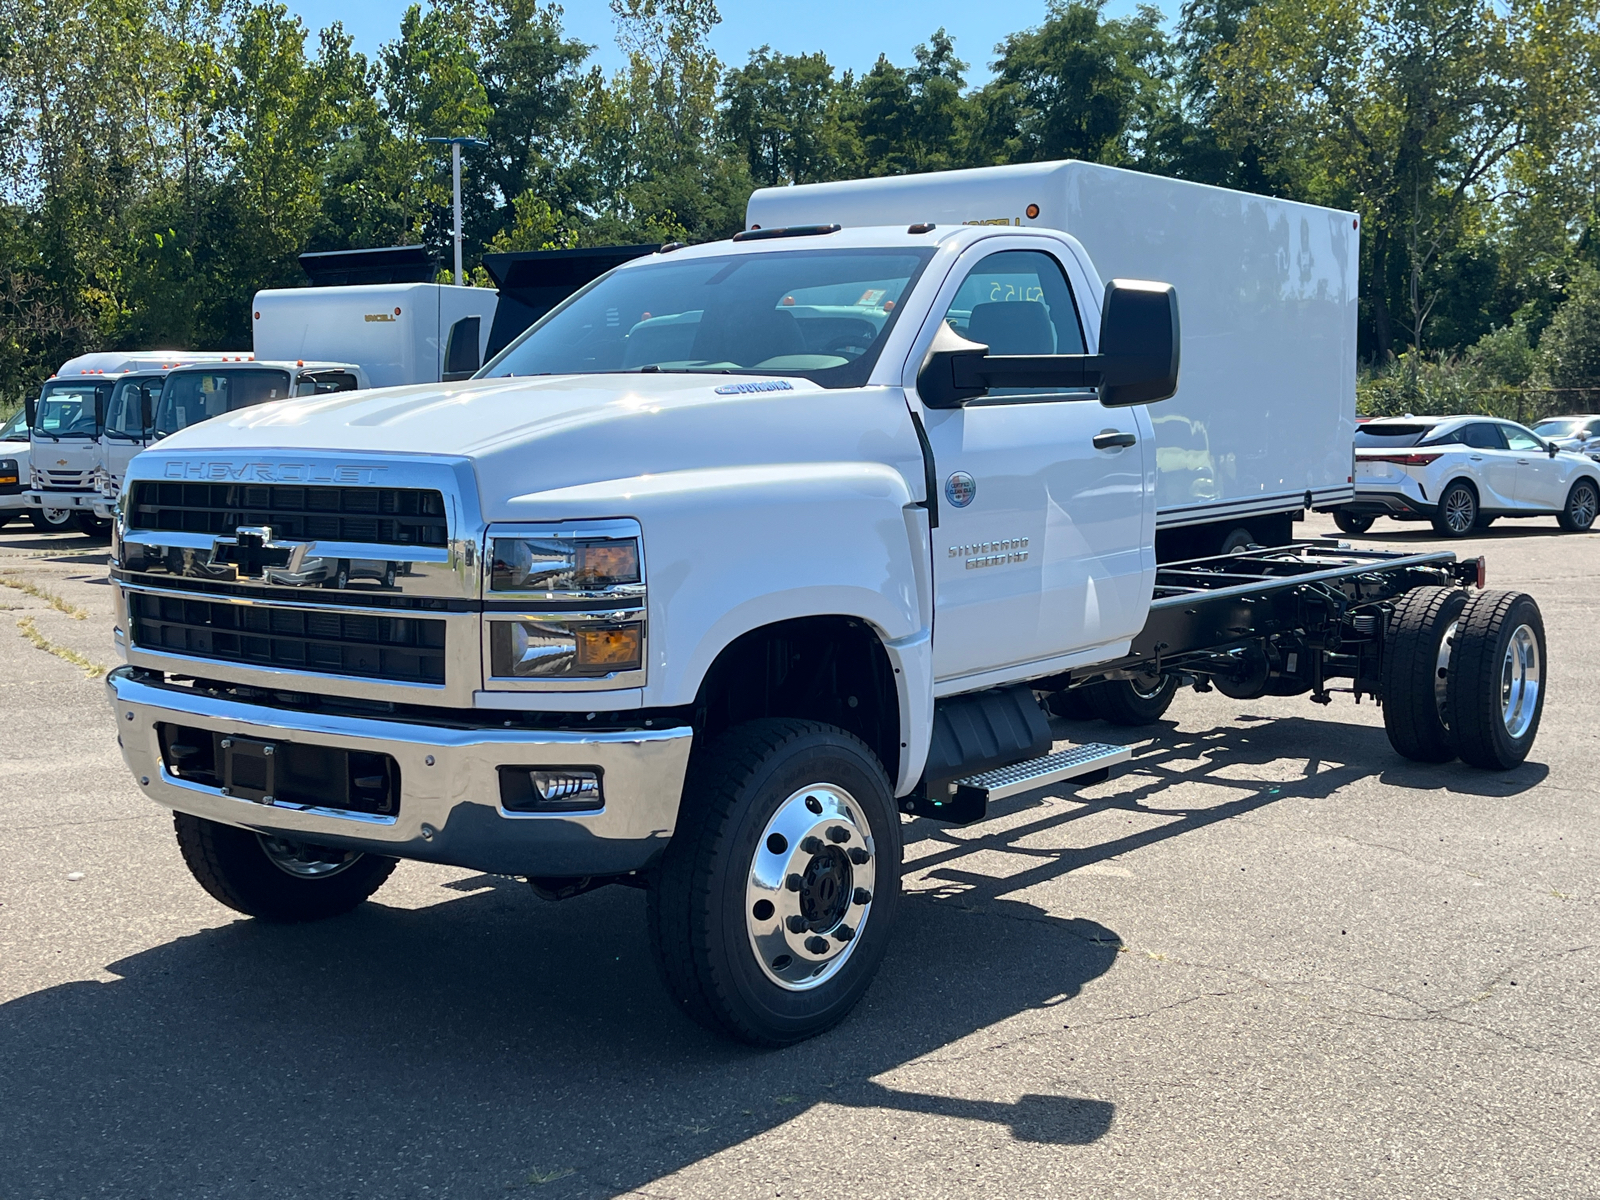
(1134, 702)
(1583, 502)
(92, 526)
(1356, 523)
(1457, 512)
(765, 962)
(1415, 652)
(274, 879)
(1236, 539)
(1496, 689)
(50, 520)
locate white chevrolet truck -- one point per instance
(742, 556)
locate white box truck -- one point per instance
(398, 332)
(1263, 423)
(737, 559)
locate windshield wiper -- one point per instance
(48, 434)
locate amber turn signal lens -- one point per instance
(613, 649)
(602, 564)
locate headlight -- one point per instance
(565, 605)
(543, 648)
(563, 566)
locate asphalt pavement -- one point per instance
(1269, 958)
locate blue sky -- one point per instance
(851, 32)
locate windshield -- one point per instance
(1385, 434)
(125, 413)
(16, 429)
(820, 314)
(1567, 427)
(68, 409)
(189, 397)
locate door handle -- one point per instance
(1522, 462)
(1111, 439)
(1477, 458)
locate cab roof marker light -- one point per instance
(921, 227)
(757, 234)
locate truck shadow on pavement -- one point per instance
(493, 1041)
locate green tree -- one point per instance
(781, 112)
(1568, 361)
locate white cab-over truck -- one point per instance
(737, 559)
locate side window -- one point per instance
(461, 350)
(1017, 302)
(1520, 439)
(1482, 436)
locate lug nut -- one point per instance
(838, 833)
(862, 896)
(794, 883)
(817, 945)
(812, 845)
(796, 924)
(859, 856)
(844, 933)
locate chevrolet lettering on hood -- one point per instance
(264, 472)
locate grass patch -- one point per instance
(57, 602)
(538, 1178)
(29, 630)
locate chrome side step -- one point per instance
(969, 798)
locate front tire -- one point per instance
(1457, 512)
(773, 905)
(1583, 502)
(273, 878)
(1495, 697)
(51, 520)
(1356, 523)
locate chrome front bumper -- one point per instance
(449, 787)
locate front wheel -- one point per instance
(1583, 502)
(274, 878)
(774, 902)
(1457, 512)
(51, 520)
(1348, 522)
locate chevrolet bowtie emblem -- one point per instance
(250, 551)
(61, 462)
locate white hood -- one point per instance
(525, 436)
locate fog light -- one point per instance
(550, 789)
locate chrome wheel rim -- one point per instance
(304, 860)
(1441, 672)
(1584, 504)
(809, 891)
(1147, 687)
(1458, 510)
(1519, 681)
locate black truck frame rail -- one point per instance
(1279, 621)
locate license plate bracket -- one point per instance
(249, 769)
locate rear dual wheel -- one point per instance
(1463, 676)
(1130, 702)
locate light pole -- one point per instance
(455, 144)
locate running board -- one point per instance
(969, 798)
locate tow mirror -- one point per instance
(147, 410)
(31, 408)
(1137, 364)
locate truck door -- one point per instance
(1046, 507)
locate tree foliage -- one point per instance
(161, 160)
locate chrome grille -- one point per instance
(391, 516)
(375, 646)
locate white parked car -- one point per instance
(1580, 433)
(1462, 473)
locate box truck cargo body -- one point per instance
(1264, 418)
(398, 332)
